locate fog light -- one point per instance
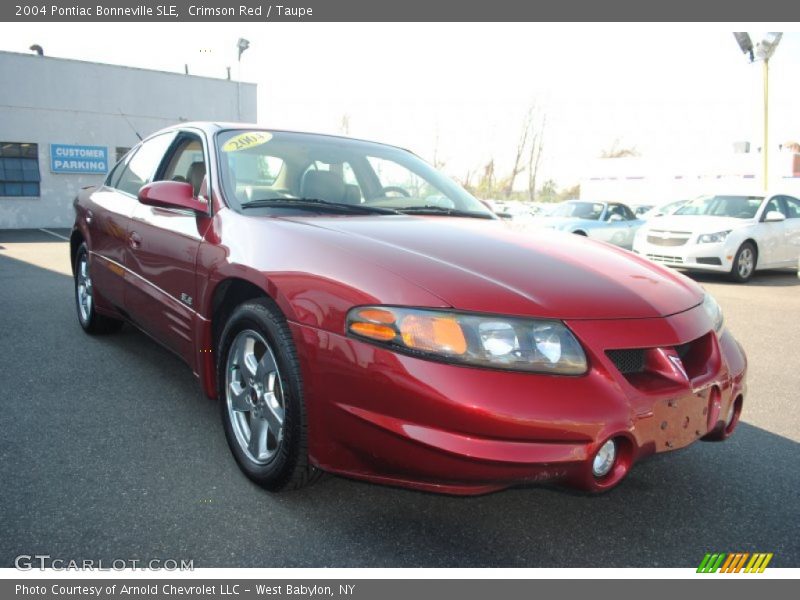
(604, 459)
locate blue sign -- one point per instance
(65, 158)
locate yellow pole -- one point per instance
(765, 148)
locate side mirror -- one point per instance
(615, 218)
(775, 216)
(171, 194)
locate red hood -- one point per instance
(496, 267)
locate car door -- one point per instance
(770, 235)
(619, 225)
(791, 230)
(631, 223)
(160, 293)
(106, 216)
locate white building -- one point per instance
(64, 123)
(640, 180)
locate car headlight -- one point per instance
(713, 238)
(713, 311)
(511, 343)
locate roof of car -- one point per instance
(212, 127)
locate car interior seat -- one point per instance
(197, 172)
(323, 185)
(352, 194)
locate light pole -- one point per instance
(242, 44)
(763, 51)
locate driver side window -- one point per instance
(187, 163)
(143, 164)
(620, 211)
(792, 207)
(773, 205)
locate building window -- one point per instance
(122, 151)
(19, 169)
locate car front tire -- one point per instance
(91, 322)
(744, 263)
(262, 406)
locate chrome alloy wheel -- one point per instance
(83, 289)
(746, 262)
(254, 396)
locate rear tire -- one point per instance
(260, 392)
(91, 322)
(744, 263)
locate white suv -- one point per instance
(735, 233)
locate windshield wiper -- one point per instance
(317, 204)
(440, 210)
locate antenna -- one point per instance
(124, 116)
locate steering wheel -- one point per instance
(396, 188)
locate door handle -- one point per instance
(135, 240)
(89, 217)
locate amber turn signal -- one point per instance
(433, 334)
(382, 333)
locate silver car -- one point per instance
(612, 222)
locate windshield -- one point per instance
(260, 166)
(580, 210)
(741, 207)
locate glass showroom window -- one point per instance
(19, 169)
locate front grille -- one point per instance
(627, 361)
(665, 258)
(640, 365)
(666, 241)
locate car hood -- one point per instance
(697, 223)
(510, 268)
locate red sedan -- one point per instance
(354, 311)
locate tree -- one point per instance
(618, 151)
(548, 192)
(534, 157)
(529, 144)
(486, 184)
(570, 193)
(438, 162)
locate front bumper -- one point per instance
(384, 417)
(698, 257)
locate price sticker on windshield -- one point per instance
(246, 140)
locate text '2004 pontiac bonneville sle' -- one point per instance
(354, 311)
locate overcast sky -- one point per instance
(665, 89)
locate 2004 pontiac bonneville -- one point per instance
(355, 311)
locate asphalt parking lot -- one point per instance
(108, 450)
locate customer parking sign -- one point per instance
(65, 158)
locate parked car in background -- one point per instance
(640, 209)
(666, 208)
(344, 323)
(612, 222)
(510, 209)
(735, 234)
